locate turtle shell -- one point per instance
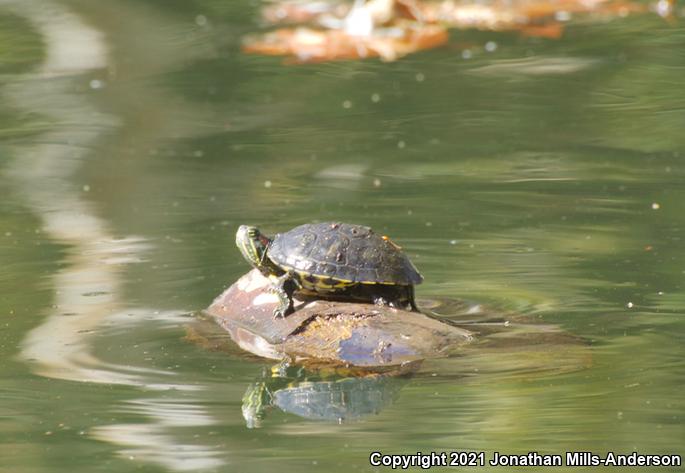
(349, 253)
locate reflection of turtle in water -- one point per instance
(329, 396)
(331, 260)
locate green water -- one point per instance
(544, 178)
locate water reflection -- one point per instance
(319, 395)
(537, 199)
(155, 439)
(88, 288)
(42, 172)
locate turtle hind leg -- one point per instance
(395, 296)
(398, 297)
(412, 305)
(284, 287)
(410, 299)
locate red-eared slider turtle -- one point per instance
(336, 260)
(321, 395)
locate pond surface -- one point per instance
(540, 178)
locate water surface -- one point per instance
(542, 179)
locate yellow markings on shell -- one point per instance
(320, 284)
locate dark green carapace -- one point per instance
(332, 260)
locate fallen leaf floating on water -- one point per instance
(311, 45)
(518, 15)
(329, 14)
(302, 12)
(488, 15)
(364, 29)
(390, 29)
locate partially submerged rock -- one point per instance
(331, 332)
(353, 359)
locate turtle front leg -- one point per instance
(284, 287)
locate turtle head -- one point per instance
(253, 245)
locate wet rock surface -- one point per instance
(335, 332)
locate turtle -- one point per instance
(331, 260)
(322, 394)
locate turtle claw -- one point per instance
(284, 307)
(280, 313)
